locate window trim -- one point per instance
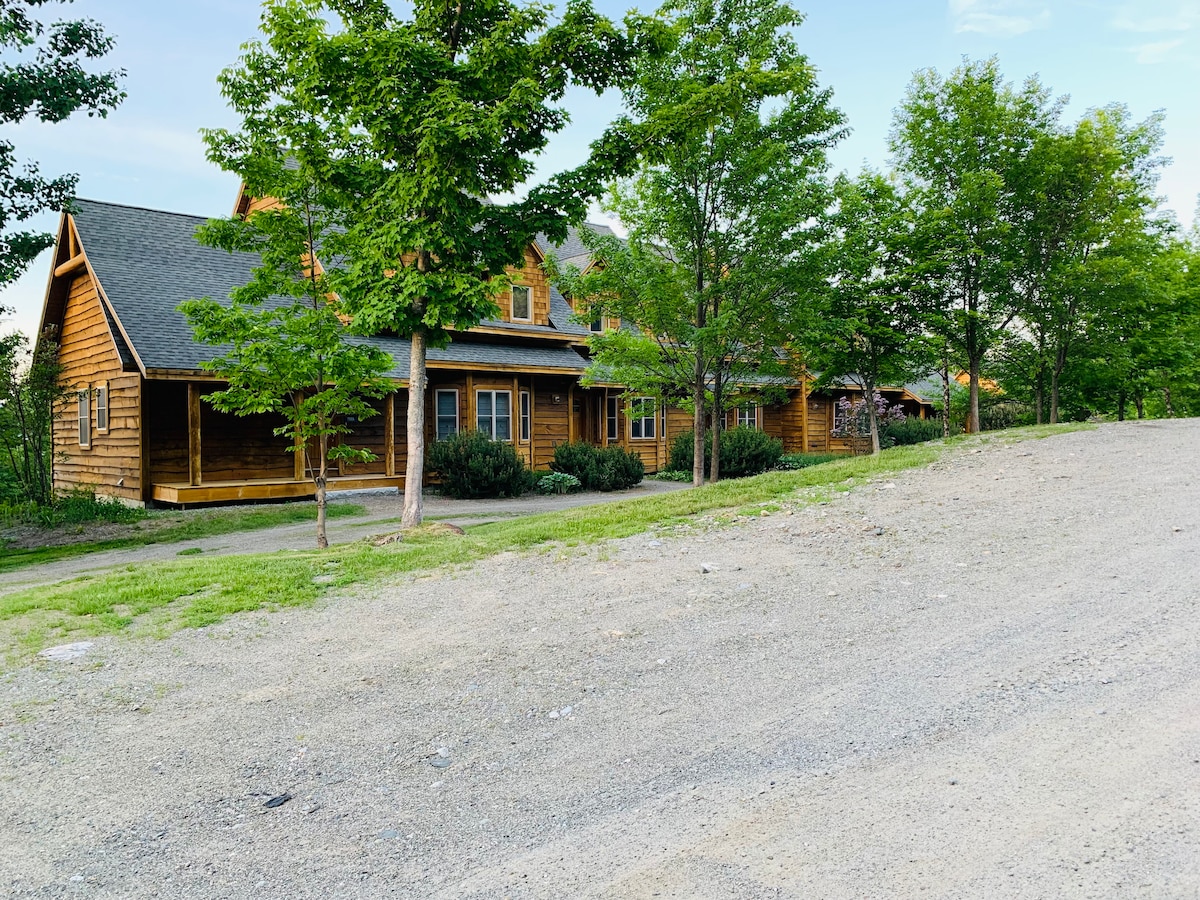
(638, 423)
(512, 307)
(83, 416)
(612, 417)
(102, 406)
(526, 416)
(491, 430)
(738, 418)
(437, 416)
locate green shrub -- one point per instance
(471, 466)
(744, 451)
(910, 431)
(796, 461)
(75, 508)
(748, 451)
(559, 483)
(683, 452)
(598, 469)
(673, 475)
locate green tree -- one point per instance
(437, 113)
(1090, 198)
(720, 244)
(963, 144)
(285, 347)
(48, 81)
(870, 326)
(30, 396)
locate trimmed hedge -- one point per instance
(744, 451)
(472, 466)
(598, 468)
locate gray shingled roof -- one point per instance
(572, 251)
(148, 262)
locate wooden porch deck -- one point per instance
(182, 493)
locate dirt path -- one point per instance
(383, 515)
(980, 679)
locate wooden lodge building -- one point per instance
(137, 427)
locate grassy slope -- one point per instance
(174, 527)
(193, 592)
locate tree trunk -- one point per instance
(698, 423)
(414, 469)
(1140, 402)
(872, 415)
(1121, 405)
(322, 480)
(973, 413)
(714, 470)
(1170, 410)
(1054, 397)
(946, 394)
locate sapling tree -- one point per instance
(285, 347)
(719, 256)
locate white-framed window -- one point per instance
(84, 415)
(747, 415)
(642, 418)
(613, 417)
(493, 414)
(522, 302)
(840, 416)
(446, 406)
(526, 416)
(597, 324)
(102, 408)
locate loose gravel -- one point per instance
(978, 679)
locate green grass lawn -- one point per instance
(195, 591)
(172, 527)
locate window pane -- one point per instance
(520, 302)
(447, 403)
(483, 404)
(503, 403)
(503, 428)
(525, 416)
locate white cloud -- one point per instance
(1002, 18)
(1151, 16)
(1159, 51)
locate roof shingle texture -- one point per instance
(149, 261)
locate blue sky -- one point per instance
(1145, 54)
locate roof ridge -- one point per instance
(150, 209)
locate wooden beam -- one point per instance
(532, 420)
(143, 430)
(470, 423)
(571, 414)
(75, 262)
(389, 435)
(194, 470)
(804, 412)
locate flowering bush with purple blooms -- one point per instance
(852, 421)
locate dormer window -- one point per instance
(522, 303)
(597, 325)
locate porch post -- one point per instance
(389, 435)
(194, 472)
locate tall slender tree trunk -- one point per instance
(946, 393)
(1121, 405)
(698, 422)
(1170, 410)
(872, 415)
(1140, 402)
(322, 481)
(714, 469)
(973, 414)
(414, 468)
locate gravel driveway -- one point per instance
(981, 679)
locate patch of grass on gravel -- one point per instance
(173, 527)
(197, 591)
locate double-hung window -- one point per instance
(102, 408)
(747, 415)
(641, 418)
(84, 414)
(493, 414)
(613, 416)
(526, 416)
(522, 303)
(447, 413)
